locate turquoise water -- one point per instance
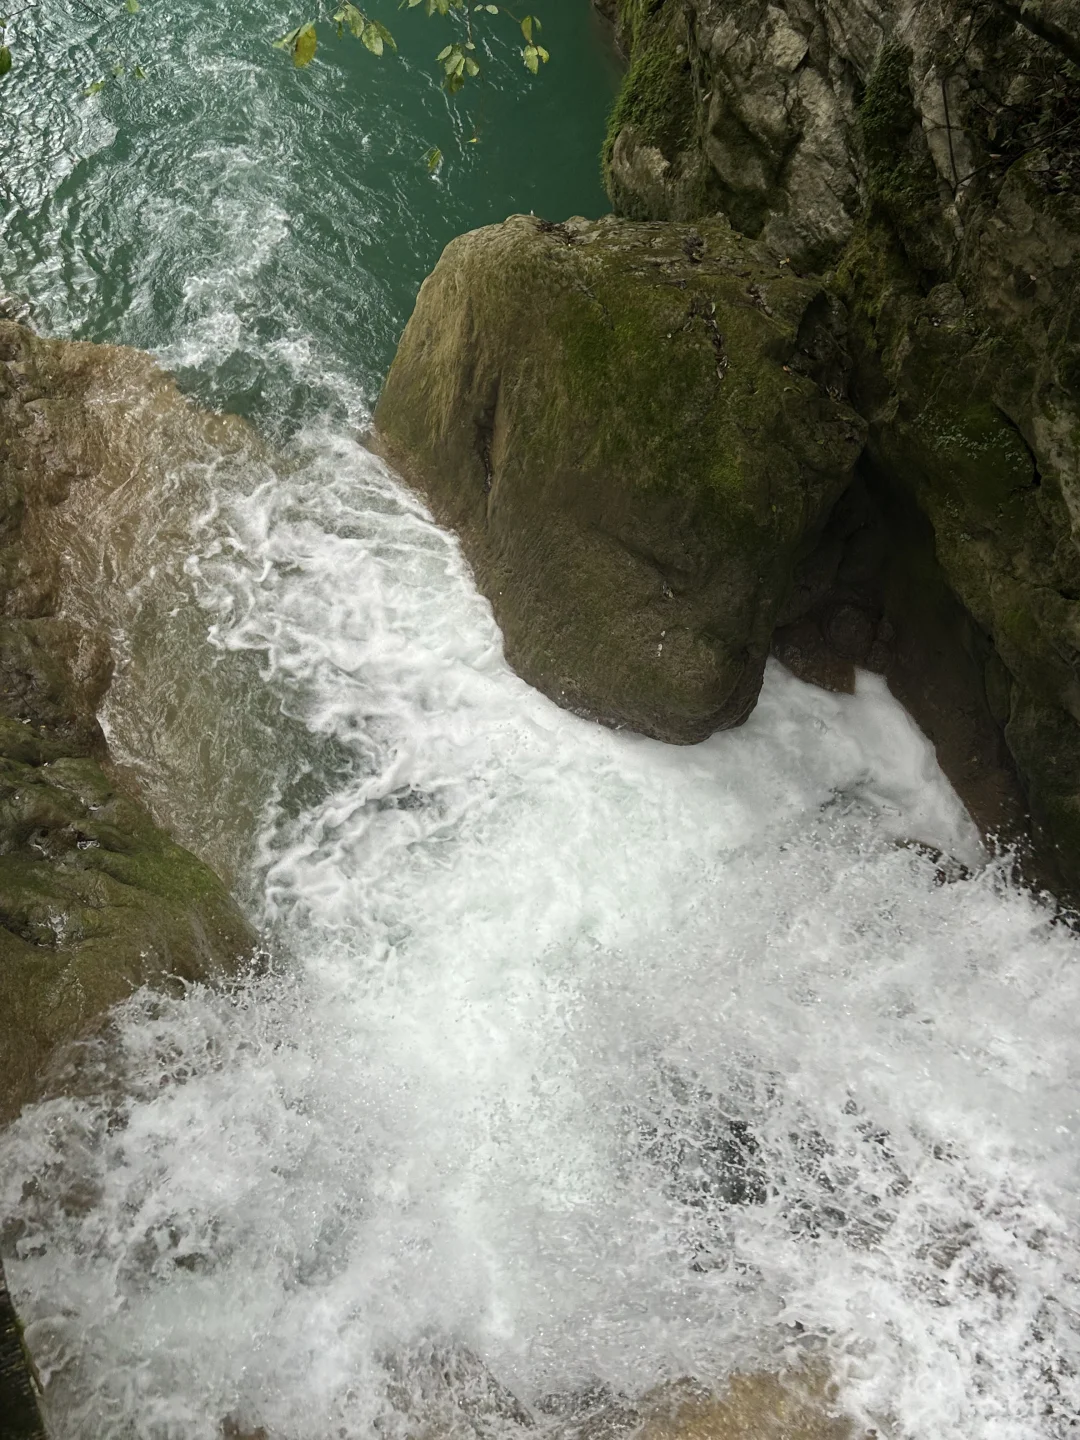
(266, 228)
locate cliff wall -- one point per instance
(925, 157)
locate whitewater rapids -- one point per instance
(609, 1060)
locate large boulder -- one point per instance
(95, 899)
(635, 430)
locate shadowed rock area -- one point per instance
(634, 429)
(924, 158)
(20, 1417)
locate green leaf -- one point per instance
(303, 50)
(434, 159)
(132, 7)
(118, 70)
(544, 56)
(352, 17)
(491, 9)
(139, 73)
(453, 83)
(441, 56)
(95, 89)
(471, 67)
(372, 39)
(286, 42)
(383, 33)
(5, 59)
(527, 29)
(531, 58)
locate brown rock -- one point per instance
(633, 429)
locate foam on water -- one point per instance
(610, 1060)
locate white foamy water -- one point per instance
(608, 1060)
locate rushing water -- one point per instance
(609, 1061)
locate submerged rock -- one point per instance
(797, 1406)
(634, 429)
(441, 1390)
(95, 899)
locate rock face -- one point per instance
(636, 430)
(95, 900)
(19, 1409)
(924, 156)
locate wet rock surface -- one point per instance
(95, 899)
(918, 163)
(440, 1390)
(634, 429)
(793, 1406)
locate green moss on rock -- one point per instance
(902, 184)
(656, 96)
(630, 428)
(655, 118)
(95, 899)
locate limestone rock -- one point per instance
(95, 899)
(634, 429)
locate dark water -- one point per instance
(267, 228)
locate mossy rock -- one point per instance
(650, 163)
(968, 391)
(95, 901)
(633, 428)
(20, 1413)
